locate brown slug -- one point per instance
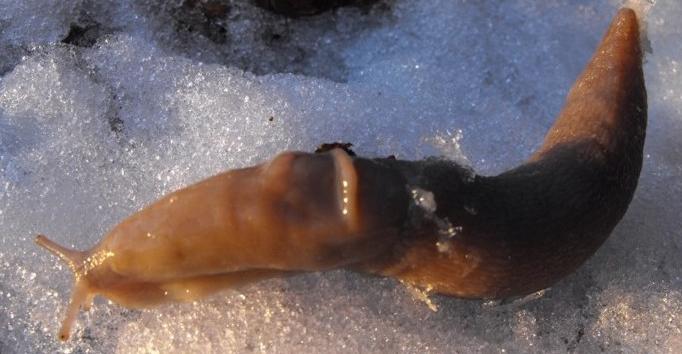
(431, 223)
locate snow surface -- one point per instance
(157, 95)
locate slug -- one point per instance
(431, 223)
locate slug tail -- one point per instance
(606, 106)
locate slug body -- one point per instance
(429, 223)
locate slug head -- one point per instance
(93, 275)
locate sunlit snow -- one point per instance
(156, 95)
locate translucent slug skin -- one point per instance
(507, 235)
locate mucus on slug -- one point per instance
(515, 233)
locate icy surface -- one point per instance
(146, 97)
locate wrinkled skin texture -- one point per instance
(512, 234)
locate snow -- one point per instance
(161, 95)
